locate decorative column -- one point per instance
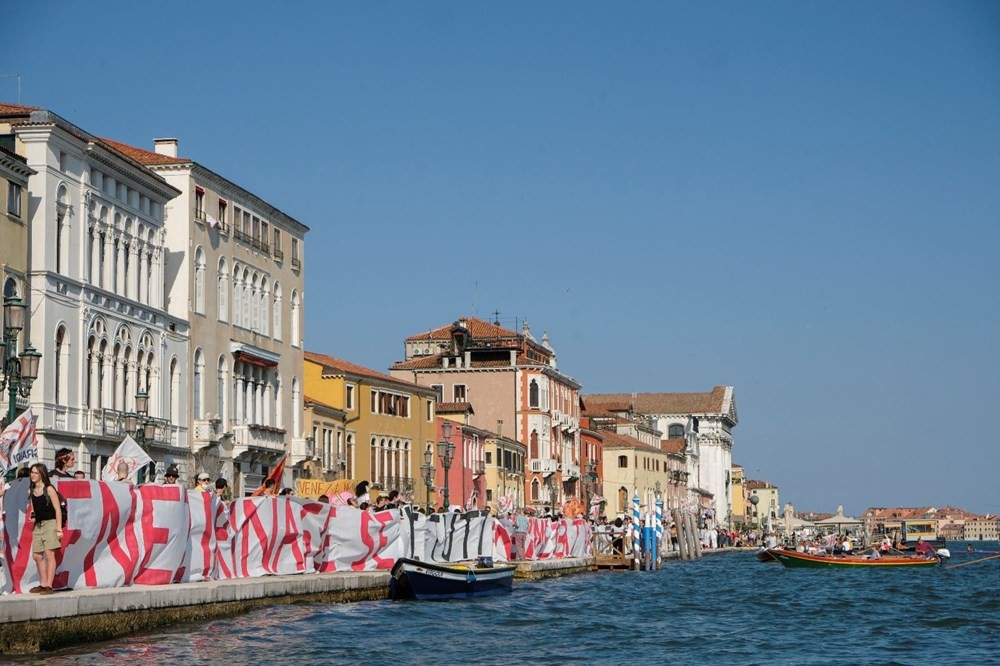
(144, 275)
(239, 406)
(132, 274)
(108, 265)
(94, 369)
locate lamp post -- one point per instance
(753, 500)
(141, 426)
(446, 452)
(21, 370)
(427, 472)
(550, 483)
(591, 483)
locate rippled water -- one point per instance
(721, 609)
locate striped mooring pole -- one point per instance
(636, 529)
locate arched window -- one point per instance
(197, 381)
(534, 445)
(535, 486)
(255, 303)
(675, 431)
(276, 312)
(222, 384)
(223, 290)
(245, 317)
(263, 308)
(61, 379)
(173, 403)
(62, 207)
(237, 297)
(295, 319)
(199, 281)
(533, 394)
(296, 408)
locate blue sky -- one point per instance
(797, 199)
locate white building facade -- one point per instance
(706, 422)
(235, 272)
(98, 301)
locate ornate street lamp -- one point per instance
(140, 426)
(21, 370)
(446, 452)
(427, 471)
(753, 500)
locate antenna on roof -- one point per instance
(18, 77)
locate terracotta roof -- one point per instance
(419, 363)
(663, 403)
(340, 366)
(610, 406)
(454, 408)
(673, 445)
(599, 414)
(16, 109)
(313, 401)
(476, 327)
(145, 157)
(613, 439)
(758, 485)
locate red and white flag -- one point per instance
(17, 443)
(131, 454)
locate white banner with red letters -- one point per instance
(118, 534)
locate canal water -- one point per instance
(721, 609)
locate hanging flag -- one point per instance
(131, 454)
(17, 442)
(275, 475)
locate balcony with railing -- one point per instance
(544, 466)
(111, 423)
(478, 468)
(570, 471)
(403, 484)
(259, 437)
(303, 449)
(278, 254)
(296, 263)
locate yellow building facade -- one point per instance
(387, 424)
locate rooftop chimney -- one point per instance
(166, 147)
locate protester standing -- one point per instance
(46, 538)
(64, 461)
(521, 533)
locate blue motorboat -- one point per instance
(413, 579)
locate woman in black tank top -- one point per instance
(47, 533)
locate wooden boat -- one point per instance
(413, 579)
(796, 560)
(764, 555)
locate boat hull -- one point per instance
(797, 560)
(412, 579)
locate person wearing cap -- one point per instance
(204, 483)
(171, 476)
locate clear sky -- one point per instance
(797, 199)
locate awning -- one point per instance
(253, 359)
